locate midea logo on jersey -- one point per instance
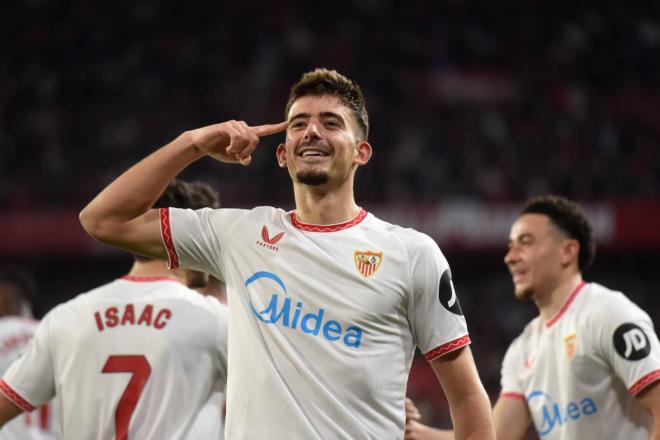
(279, 311)
(556, 414)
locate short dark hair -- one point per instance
(187, 195)
(20, 278)
(321, 81)
(570, 218)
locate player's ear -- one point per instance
(363, 153)
(570, 252)
(280, 153)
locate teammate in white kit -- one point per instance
(143, 357)
(588, 367)
(327, 302)
(17, 326)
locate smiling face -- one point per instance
(321, 143)
(538, 254)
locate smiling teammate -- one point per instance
(588, 367)
(327, 302)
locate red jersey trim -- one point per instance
(145, 279)
(568, 302)
(512, 395)
(166, 235)
(447, 347)
(327, 228)
(16, 399)
(644, 382)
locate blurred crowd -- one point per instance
(489, 101)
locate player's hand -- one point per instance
(412, 413)
(414, 430)
(232, 141)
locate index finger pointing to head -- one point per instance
(268, 129)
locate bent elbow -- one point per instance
(93, 224)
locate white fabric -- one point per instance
(15, 333)
(324, 319)
(175, 339)
(576, 384)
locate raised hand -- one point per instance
(232, 141)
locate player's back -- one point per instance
(138, 358)
(15, 333)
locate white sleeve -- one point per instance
(196, 239)
(29, 382)
(510, 373)
(222, 337)
(625, 337)
(435, 314)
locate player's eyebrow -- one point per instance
(300, 116)
(304, 115)
(523, 236)
(331, 115)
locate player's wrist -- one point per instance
(185, 145)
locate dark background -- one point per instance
(483, 102)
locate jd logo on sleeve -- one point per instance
(631, 342)
(447, 294)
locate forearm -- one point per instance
(135, 191)
(655, 425)
(650, 399)
(472, 417)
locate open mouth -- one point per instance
(312, 152)
(517, 275)
(317, 150)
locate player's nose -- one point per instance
(510, 257)
(312, 131)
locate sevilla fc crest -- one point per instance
(368, 262)
(570, 344)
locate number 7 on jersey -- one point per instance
(139, 366)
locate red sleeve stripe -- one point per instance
(166, 235)
(447, 347)
(512, 395)
(644, 382)
(12, 395)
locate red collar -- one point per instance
(568, 302)
(328, 228)
(148, 279)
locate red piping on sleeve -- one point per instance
(12, 395)
(447, 347)
(644, 382)
(166, 235)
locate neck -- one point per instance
(155, 268)
(320, 206)
(550, 302)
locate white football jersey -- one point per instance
(138, 358)
(324, 319)
(579, 371)
(15, 333)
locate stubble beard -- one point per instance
(523, 294)
(312, 178)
